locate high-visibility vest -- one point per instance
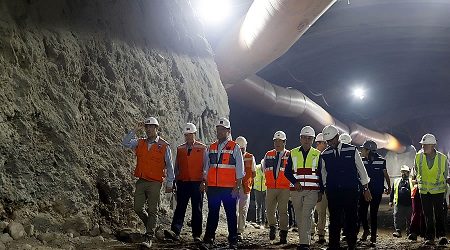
(259, 180)
(247, 181)
(222, 171)
(431, 180)
(151, 162)
(396, 183)
(190, 166)
(305, 171)
(269, 162)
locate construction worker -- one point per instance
(400, 198)
(431, 172)
(259, 189)
(376, 169)
(222, 180)
(247, 183)
(321, 206)
(345, 138)
(277, 196)
(302, 171)
(154, 163)
(188, 174)
(418, 225)
(342, 170)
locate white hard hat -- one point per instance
(224, 122)
(241, 141)
(151, 121)
(308, 131)
(329, 132)
(190, 128)
(345, 138)
(279, 135)
(428, 139)
(319, 137)
(404, 168)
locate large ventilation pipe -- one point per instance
(268, 30)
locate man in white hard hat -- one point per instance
(222, 180)
(277, 195)
(247, 183)
(303, 173)
(342, 170)
(322, 206)
(189, 164)
(400, 197)
(345, 138)
(431, 173)
(153, 166)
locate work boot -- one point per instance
(365, 235)
(147, 243)
(321, 240)
(373, 240)
(398, 234)
(169, 234)
(272, 233)
(412, 236)
(239, 237)
(443, 241)
(283, 237)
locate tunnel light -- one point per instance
(213, 11)
(359, 93)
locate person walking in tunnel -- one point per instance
(322, 206)
(431, 173)
(400, 198)
(342, 170)
(189, 164)
(376, 169)
(154, 164)
(418, 225)
(345, 138)
(303, 173)
(277, 196)
(247, 183)
(222, 180)
(260, 188)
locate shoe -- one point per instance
(197, 239)
(398, 234)
(257, 226)
(412, 236)
(373, 240)
(321, 240)
(364, 235)
(169, 234)
(443, 241)
(429, 242)
(148, 241)
(344, 238)
(283, 237)
(239, 237)
(294, 229)
(272, 233)
(233, 245)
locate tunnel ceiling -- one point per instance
(398, 51)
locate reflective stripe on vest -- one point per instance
(190, 166)
(306, 170)
(281, 182)
(431, 180)
(151, 162)
(260, 180)
(396, 183)
(247, 181)
(222, 171)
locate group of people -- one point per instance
(333, 175)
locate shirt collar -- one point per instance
(155, 141)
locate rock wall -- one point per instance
(75, 75)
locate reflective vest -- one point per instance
(281, 181)
(341, 169)
(222, 169)
(431, 180)
(396, 183)
(375, 170)
(151, 162)
(259, 180)
(305, 171)
(190, 165)
(247, 181)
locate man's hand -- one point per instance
(390, 204)
(203, 186)
(388, 190)
(298, 186)
(367, 195)
(319, 197)
(169, 189)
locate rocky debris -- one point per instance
(3, 225)
(46, 237)
(29, 229)
(16, 230)
(2, 246)
(105, 230)
(95, 231)
(5, 238)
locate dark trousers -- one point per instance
(432, 205)
(342, 202)
(216, 196)
(291, 215)
(363, 210)
(188, 190)
(260, 200)
(417, 218)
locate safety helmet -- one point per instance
(329, 132)
(308, 131)
(224, 122)
(319, 137)
(345, 138)
(370, 145)
(189, 128)
(241, 141)
(279, 135)
(428, 139)
(151, 121)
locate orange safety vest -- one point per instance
(190, 166)
(151, 163)
(269, 164)
(247, 181)
(222, 171)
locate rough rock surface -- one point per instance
(74, 76)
